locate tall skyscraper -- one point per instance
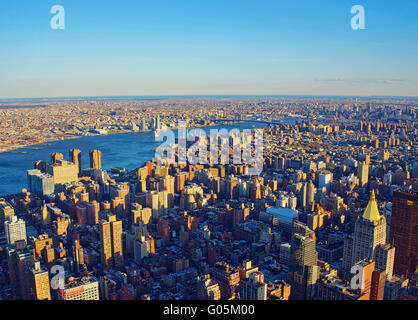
(310, 197)
(404, 231)
(303, 266)
(93, 209)
(111, 242)
(95, 159)
(363, 174)
(15, 230)
(75, 157)
(303, 195)
(369, 240)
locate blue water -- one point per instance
(127, 150)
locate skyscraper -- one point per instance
(363, 174)
(19, 259)
(303, 195)
(95, 159)
(369, 240)
(75, 157)
(404, 231)
(15, 230)
(39, 283)
(310, 197)
(111, 242)
(303, 266)
(40, 184)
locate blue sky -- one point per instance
(208, 47)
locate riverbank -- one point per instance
(111, 132)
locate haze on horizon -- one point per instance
(215, 47)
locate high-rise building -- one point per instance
(303, 266)
(310, 197)
(180, 180)
(369, 233)
(363, 174)
(378, 285)
(6, 213)
(75, 157)
(78, 256)
(56, 157)
(15, 230)
(325, 180)
(40, 184)
(39, 288)
(111, 242)
(62, 171)
(385, 257)
(143, 246)
(404, 231)
(304, 195)
(93, 209)
(253, 288)
(95, 159)
(19, 259)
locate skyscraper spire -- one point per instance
(372, 212)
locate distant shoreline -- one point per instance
(16, 150)
(163, 97)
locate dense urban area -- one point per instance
(338, 190)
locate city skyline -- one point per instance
(209, 155)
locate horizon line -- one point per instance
(124, 97)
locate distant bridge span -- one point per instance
(255, 121)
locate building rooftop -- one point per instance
(372, 212)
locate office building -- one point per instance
(111, 242)
(6, 213)
(404, 231)
(84, 288)
(40, 184)
(15, 230)
(95, 159)
(303, 266)
(75, 157)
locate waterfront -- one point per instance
(127, 150)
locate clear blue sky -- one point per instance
(157, 47)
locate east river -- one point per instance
(126, 150)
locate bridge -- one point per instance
(249, 120)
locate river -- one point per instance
(127, 150)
